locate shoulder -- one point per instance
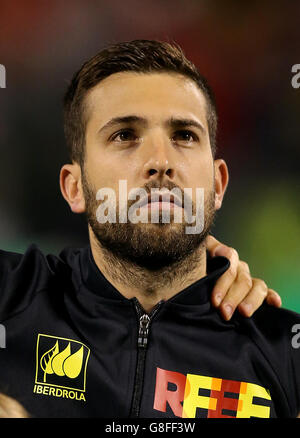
(275, 320)
(271, 323)
(23, 265)
(273, 331)
(22, 276)
(276, 332)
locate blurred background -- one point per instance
(245, 49)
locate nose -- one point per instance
(159, 160)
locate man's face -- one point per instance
(154, 147)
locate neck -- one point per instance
(149, 287)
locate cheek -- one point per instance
(200, 177)
(107, 172)
(200, 173)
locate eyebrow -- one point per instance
(172, 122)
(123, 120)
(183, 123)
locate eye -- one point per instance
(185, 136)
(124, 135)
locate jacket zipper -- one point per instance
(143, 333)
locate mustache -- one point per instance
(166, 187)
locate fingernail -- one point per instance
(218, 251)
(279, 298)
(248, 308)
(228, 310)
(218, 299)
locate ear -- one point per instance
(221, 181)
(71, 187)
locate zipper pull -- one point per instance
(143, 331)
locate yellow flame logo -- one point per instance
(62, 363)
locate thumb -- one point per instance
(215, 247)
(221, 250)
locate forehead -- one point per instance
(152, 95)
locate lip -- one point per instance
(163, 199)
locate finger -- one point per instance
(236, 293)
(254, 298)
(243, 265)
(217, 248)
(212, 244)
(273, 298)
(226, 280)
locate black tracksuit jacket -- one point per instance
(73, 346)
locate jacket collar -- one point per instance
(196, 294)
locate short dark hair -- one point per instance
(142, 56)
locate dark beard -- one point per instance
(149, 246)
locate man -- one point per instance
(125, 326)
